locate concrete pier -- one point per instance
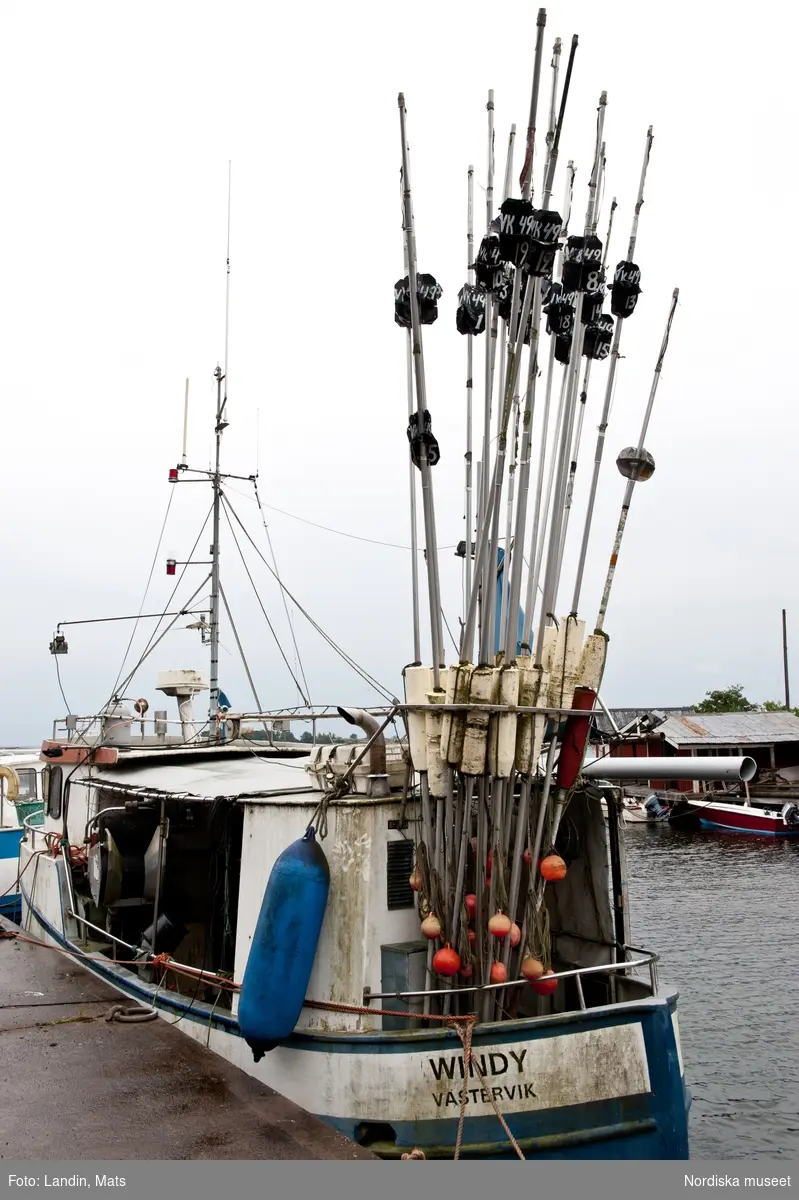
(76, 1086)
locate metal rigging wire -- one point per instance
(150, 644)
(261, 605)
(243, 656)
(146, 590)
(378, 687)
(282, 593)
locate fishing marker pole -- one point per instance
(540, 523)
(467, 558)
(635, 464)
(597, 352)
(626, 282)
(433, 583)
(550, 589)
(417, 643)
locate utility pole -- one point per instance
(785, 660)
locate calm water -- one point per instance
(722, 910)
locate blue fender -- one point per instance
(284, 945)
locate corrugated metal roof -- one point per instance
(730, 729)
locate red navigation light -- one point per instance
(171, 563)
(173, 474)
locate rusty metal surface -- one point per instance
(76, 1086)
(683, 727)
(730, 729)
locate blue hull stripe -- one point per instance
(755, 832)
(9, 842)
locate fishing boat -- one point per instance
(20, 798)
(744, 815)
(424, 941)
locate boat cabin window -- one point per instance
(27, 784)
(52, 783)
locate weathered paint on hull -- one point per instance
(606, 1083)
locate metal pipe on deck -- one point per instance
(719, 770)
(377, 742)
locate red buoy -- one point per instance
(446, 961)
(545, 986)
(499, 973)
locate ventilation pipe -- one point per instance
(378, 776)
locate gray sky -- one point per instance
(119, 123)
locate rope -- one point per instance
(318, 821)
(464, 1027)
(466, 1039)
(132, 1016)
(15, 884)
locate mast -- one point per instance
(221, 424)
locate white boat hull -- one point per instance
(602, 1083)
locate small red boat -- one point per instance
(780, 820)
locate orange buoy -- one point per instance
(531, 968)
(499, 973)
(500, 925)
(553, 868)
(431, 927)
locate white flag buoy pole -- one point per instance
(635, 464)
(609, 386)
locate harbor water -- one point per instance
(722, 910)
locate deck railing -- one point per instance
(648, 960)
